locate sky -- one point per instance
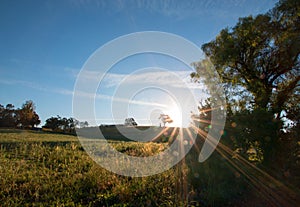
(45, 44)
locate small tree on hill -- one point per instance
(130, 122)
(165, 119)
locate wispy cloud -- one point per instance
(169, 8)
(27, 84)
(68, 92)
(113, 98)
(176, 79)
(35, 86)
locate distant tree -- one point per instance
(53, 123)
(165, 119)
(35, 120)
(83, 124)
(27, 117)
(130, 122)
(1, 115)
(8, 116)
(59, 124)
(71, 124)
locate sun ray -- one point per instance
(157, 137)
(182, 183)
(271, 189)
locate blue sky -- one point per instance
(44, 44)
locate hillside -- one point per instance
(125, 133)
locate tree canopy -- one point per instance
(25, 117)
(130, 122)
(63, 124)
(258, 63)
(259, 57)
(165, 118)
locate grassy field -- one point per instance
(44, 169)
(40, 169)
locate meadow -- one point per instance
(44, 169)
(47, 169)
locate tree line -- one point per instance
(63, 124)
(26, 117)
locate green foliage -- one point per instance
(8, 116)
(258, 64)
(260, 55)
(254, 134)
(130, 122)
(65, 125)
(26, 117)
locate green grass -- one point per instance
(17, 135)
(46, 169)
(40, 169)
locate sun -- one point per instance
(175, 114)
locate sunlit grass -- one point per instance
(36, 173)
(16, 135)
(40, 169)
